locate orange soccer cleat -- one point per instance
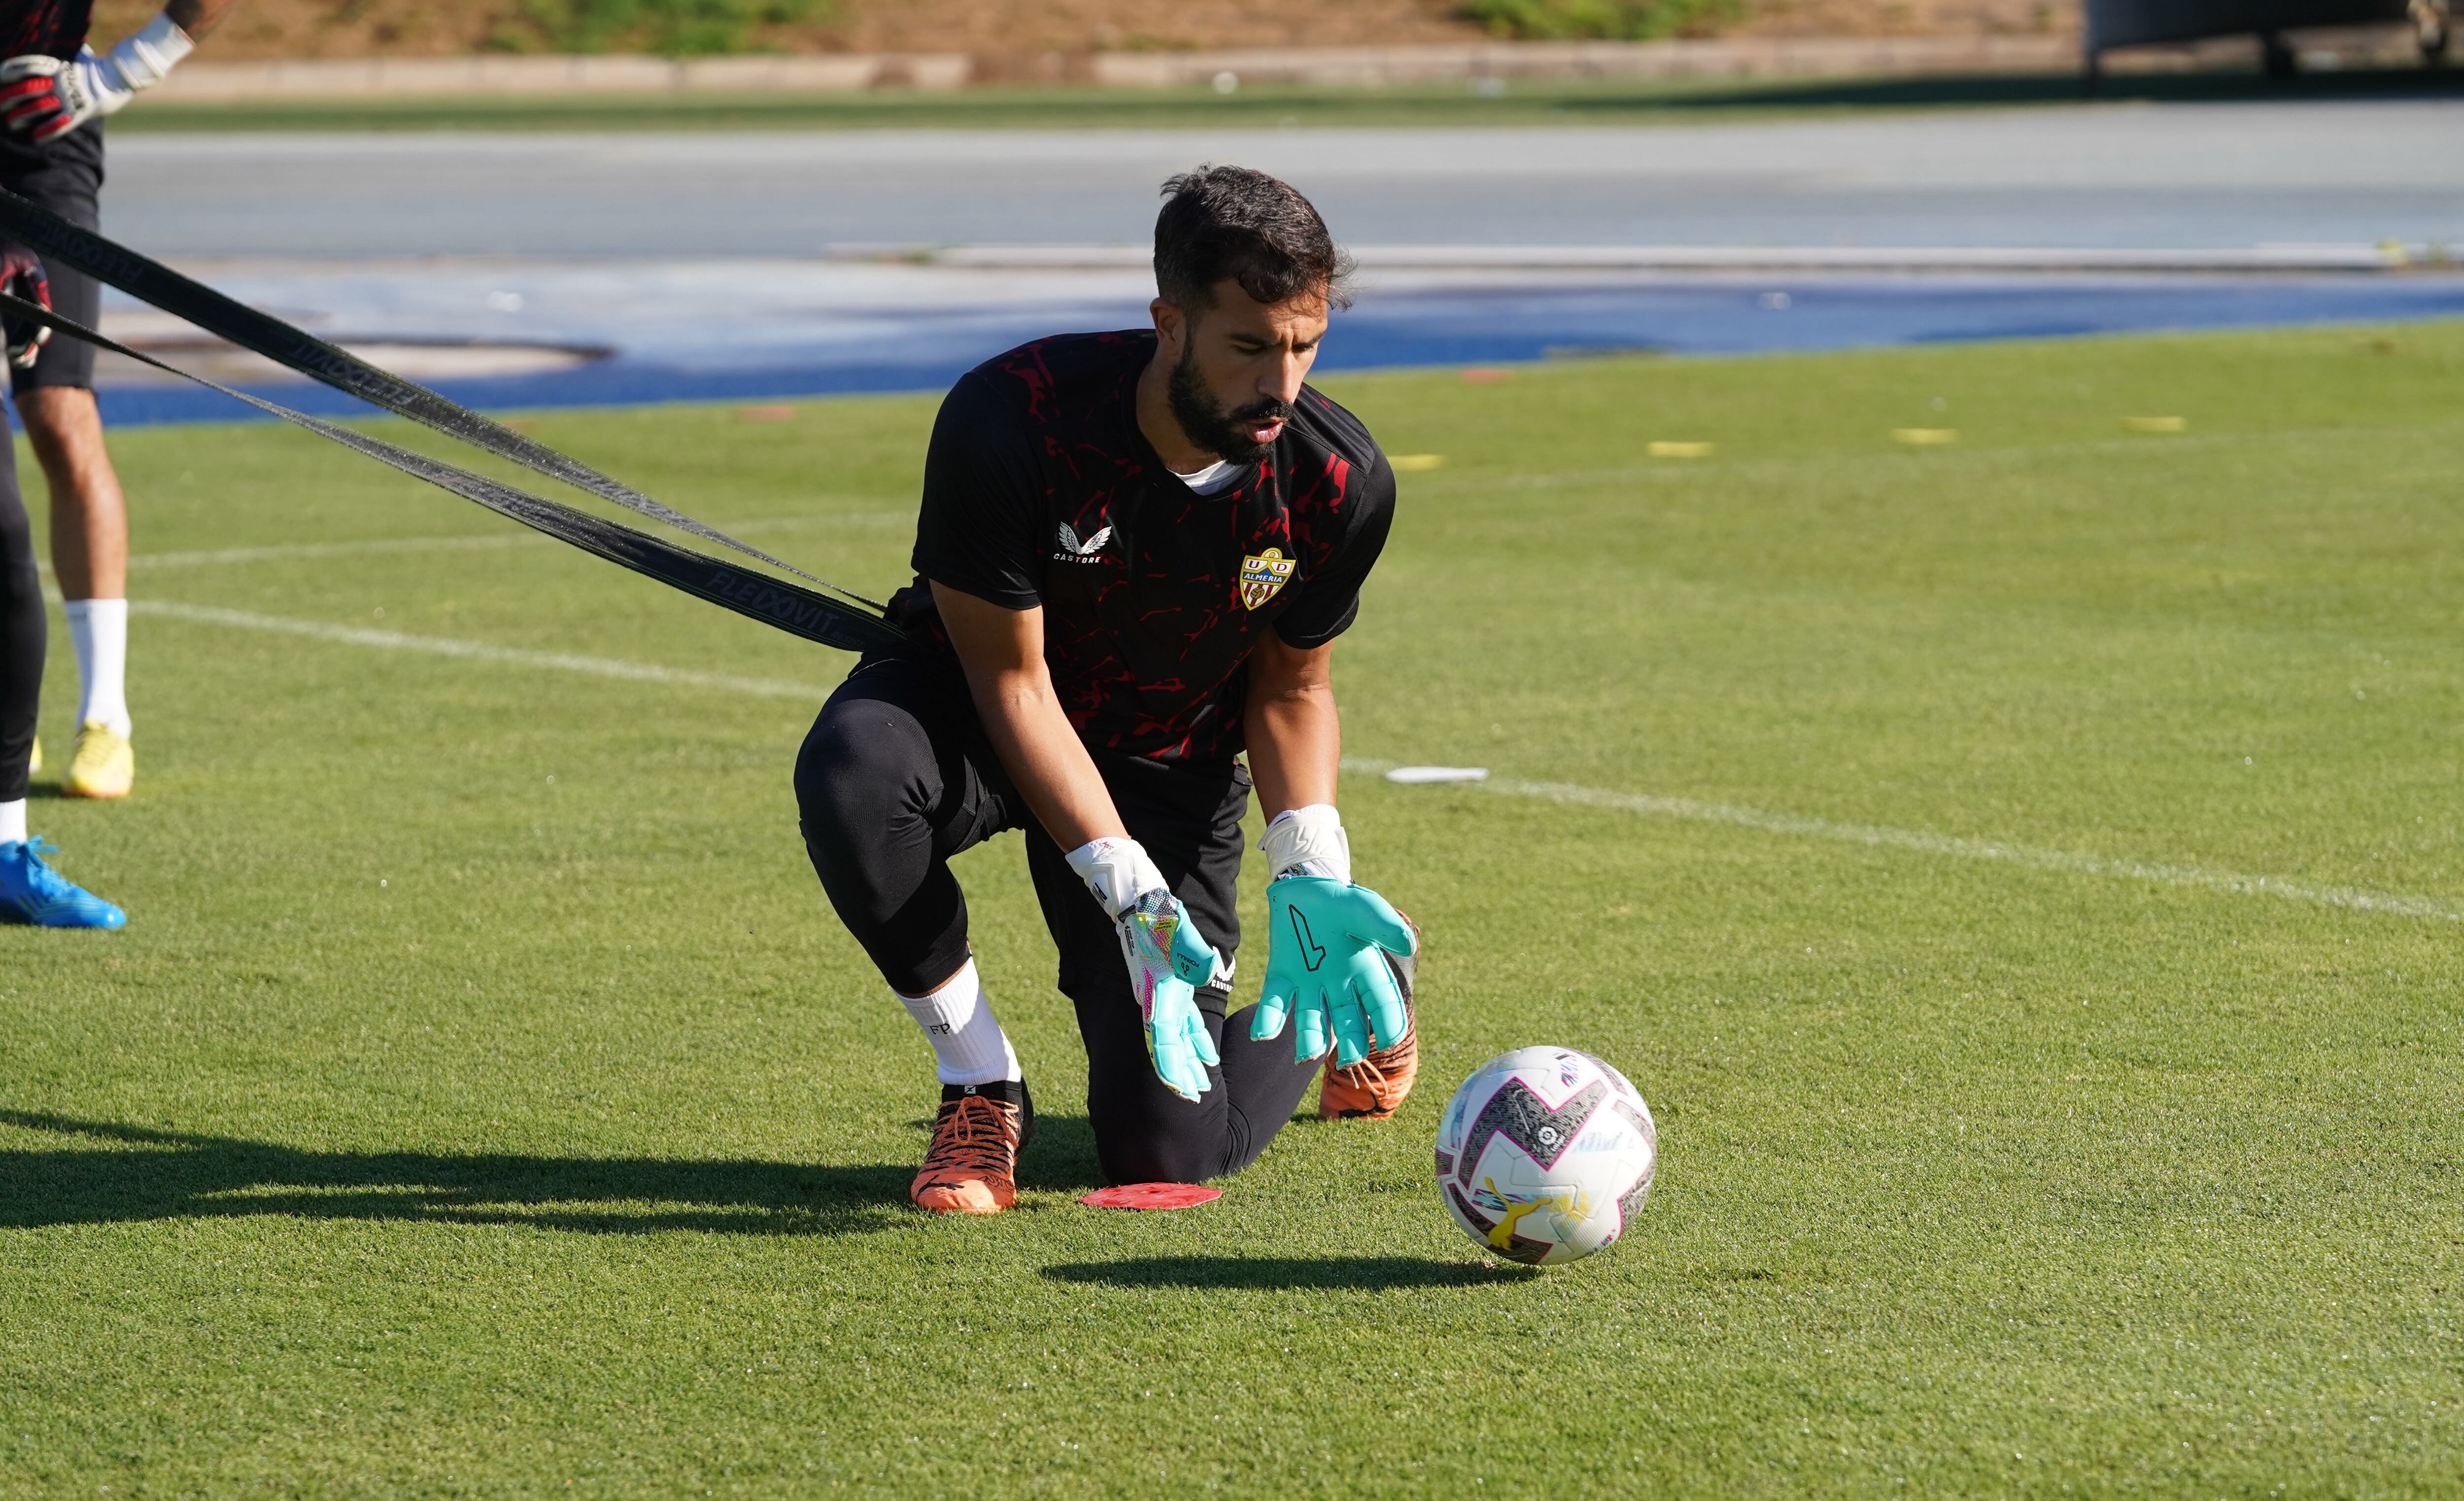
(972, 1166)
(1372, 1087)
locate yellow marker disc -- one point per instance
(1411, 463)
(1926, 437)
(1667, 449)
(2156, 424)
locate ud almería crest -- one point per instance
(1264, 575)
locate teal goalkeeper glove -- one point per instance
(1166, 957)
(1323, 942)
(1326, 964)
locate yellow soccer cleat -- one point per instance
(104, 766)
(34, 759)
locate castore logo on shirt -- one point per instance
(1072, 550)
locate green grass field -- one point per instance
(482, 1100)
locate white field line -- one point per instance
(487, 541)
(478, 650)
(1690, 809)
(2069, 861)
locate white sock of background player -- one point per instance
(100, 630)
(957, 1021)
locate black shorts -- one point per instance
(66, 177)
(898, 776)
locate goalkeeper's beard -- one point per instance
(1205, 423)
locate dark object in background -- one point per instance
(2141, 22)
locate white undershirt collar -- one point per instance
(1215, 476)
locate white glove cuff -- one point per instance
(1117, 871)
(1307, 841)
(144, 56)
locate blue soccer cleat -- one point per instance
(33, 892)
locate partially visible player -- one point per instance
(31, 891)
(1135, 554)
(54, 91)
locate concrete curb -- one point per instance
(207, 81)
(1742, 57)
(453, 78)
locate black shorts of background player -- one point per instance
(1134, 555)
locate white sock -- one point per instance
(957, 1021)
(12, 822)
(99, 627)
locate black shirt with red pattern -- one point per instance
(44, 28)
(1041, 490)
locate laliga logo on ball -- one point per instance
(1545, 1155)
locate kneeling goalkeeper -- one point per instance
(1134, 553)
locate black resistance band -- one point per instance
(151, 281)
(789, 607)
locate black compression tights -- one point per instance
(22, 630)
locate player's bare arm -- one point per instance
(1296, 737)
(1002, 654)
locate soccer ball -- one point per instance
(1545, 1155)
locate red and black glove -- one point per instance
(42, 97)
(22, 276)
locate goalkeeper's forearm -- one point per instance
(1001, 651)
(1294, 734)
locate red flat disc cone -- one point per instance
(1151, 1196)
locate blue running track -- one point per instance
(1475, 325)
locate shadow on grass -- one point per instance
(1284, 1273)
(166, 1175)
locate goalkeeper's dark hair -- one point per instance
(1230, 222)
